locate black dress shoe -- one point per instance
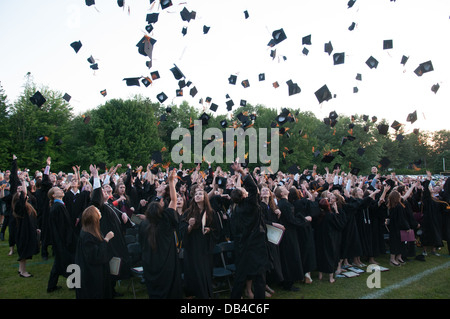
(53, 288)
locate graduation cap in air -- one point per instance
(229, 104)
(361, 151)
(383, 129)
(365, 118)
(261, 76)
(305, 51)
(293, 88)
(387, 44)
(277, 37)
(157, 157)
(323, 94)
(213, 107)
(352, 26)
(404, 60)
(76, 45)
(350, 3)
(165, 4)
(232, 79)
(205, 118)
(395, 125)
(338, 58)
(412, 117)
(359, 77)
(355, 89)
(435, 88)
(42, 139)
(146, 81)
(154, 75)
(193, 91)
(120, 3)
(38, 99)
(354, 171)
(306, 40)
(132, 81)
(374, 119)
(152, 17)
(328, 48)
(372, 62)
(103, 92)
(161, 97)
(145, 46)
(243, 103)
(384, 162)
(179, 92)
(223, 123)
(327, 158)
(149, 28)
(333, 115)
(187, 15)
(177, 72)
(94, 66)
(206, 29)
(66, 97)
(90, 2)
(424, 68)
(245, 83)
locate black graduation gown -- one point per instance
(377, 216)
(290, 255)
(111, 221)
(92, 258)
(305, 233)
(198, 260)
(64, 239)
(364, 224)
(162, 270)
(43, 211)
(327, 235)
(275, 272)
(249, 235)
(69, 199)
(397, 222)
(432, 219)
(26, 231)
(410, 247)
(351, 244)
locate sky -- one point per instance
(36, 38)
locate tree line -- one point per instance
(131, 130)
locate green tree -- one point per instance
(5, 137)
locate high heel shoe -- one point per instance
(394, 264)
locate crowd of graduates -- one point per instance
(329, 220)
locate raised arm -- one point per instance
(173, 192)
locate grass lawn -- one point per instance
(414, 280)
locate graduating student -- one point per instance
(327, 228)
(159, 251)
(112, 220)
(63, 237)
(200, 230)
(26, 228)
(290, 255)
(92, 257)
(249, 235)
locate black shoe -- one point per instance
(25, 276)
(53, 288)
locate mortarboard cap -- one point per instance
(132, 81)
(383, 129)
(103, 92)
(184, 31)
(361, 151)
(350, 3)
(359, 77)
(223, 123)
(157, 157)
(305, 51)
(67, 97)
(337, 166)
(435, 88)
(232, 79)
(179, 92)
(213, 107)
(385, 162)
(205, 118)
(42, 139)
(328, 158)
(38, 99)
(229, 104)
(161, 97)
(395, 125)
(306, 40)
(424, 68)
(293, 88)
(154, 75)
(94, 66)
(90, 2)
(355, 89)
(372, 62)
(404, 59)
(146, 81)
(338, 58)
(365, 118)
(328, 48)
(165, 4)
(277, 37)
(261, 76)
(91, 60)
(76, 46)
(205, 29)
(352, 26)
(243, 103)
(333, 115)
(374, 119)
(177, 72)
(323, 94)
(152, 17)
(246, 14)
(354, 171)
(387, 44)
(185, 15)
(193, 91)
(245, 83)
(293, 169)
(412, 117)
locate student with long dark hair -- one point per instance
(92, 257)
(159, 250)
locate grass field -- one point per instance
(414, 280)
